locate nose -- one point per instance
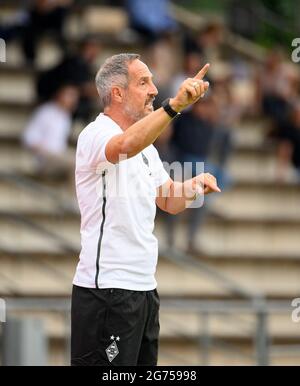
(153, 90)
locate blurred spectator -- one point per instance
(42, 16)
(151, 19)
(206, 41)
(47, 132)
(160, 58)
(192, 62)
(199, 137)
(230, 108)
(276, 86)
(76, 68)
(243, 18)
(289, 142)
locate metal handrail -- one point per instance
(263, 350)
(63, 303)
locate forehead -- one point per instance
(138, 69)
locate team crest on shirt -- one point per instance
(112, 350)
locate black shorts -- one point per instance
(114, 327)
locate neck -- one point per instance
(119, 117)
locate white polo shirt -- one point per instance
(117, 205)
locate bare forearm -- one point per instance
(180, 196)
(144, 132)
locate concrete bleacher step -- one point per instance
(12, 128)
(234, 237)
(19, 237)
(48, 54)
(241, 201)
(229, 237)
(16, 159)
(16, 86)
(267, 277)
(185, 353)
(259, 201)
(105, 19)
(27, 275)
(189, 353)
(15, 198)
(252, 164)
(244, 165)
(274, 279)
(250, 132)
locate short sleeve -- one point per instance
(91, 146)
(158, 171)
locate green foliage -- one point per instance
(285, 13)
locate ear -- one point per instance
(117, 94)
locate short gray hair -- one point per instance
(113, 72)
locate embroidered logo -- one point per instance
(112, 350)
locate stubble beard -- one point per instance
(136, 115)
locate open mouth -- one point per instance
(149, 103)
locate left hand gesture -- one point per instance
(206, 183)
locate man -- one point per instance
(119, 178)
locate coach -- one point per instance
(119, 181)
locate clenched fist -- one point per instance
(191, 90)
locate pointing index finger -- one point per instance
(202, 72)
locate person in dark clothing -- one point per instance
(289, 142)
(209, 36)
(42, 16)
(45, 16)
(276, 86)
(77, 69)
(198, 141)
(151, 19)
